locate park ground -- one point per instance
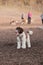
(9, 55)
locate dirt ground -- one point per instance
(9, 55)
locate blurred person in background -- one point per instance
(41, 18)
(29, 17)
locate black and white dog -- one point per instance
(23, 38)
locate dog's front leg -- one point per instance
(18, 43)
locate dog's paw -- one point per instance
(18, 47)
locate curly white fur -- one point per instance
(22, 39)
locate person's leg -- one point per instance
(29, 20)
(18, 43)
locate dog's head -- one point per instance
(19, 30)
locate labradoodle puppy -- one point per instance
(23, 38)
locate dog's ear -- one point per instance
(20, 30)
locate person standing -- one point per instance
(42, 18)
(29, 17)
(22, 16)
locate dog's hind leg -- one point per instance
(28, 41)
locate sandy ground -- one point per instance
(9, 55)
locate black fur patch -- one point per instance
(20, 30)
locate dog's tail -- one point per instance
(30, 32)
